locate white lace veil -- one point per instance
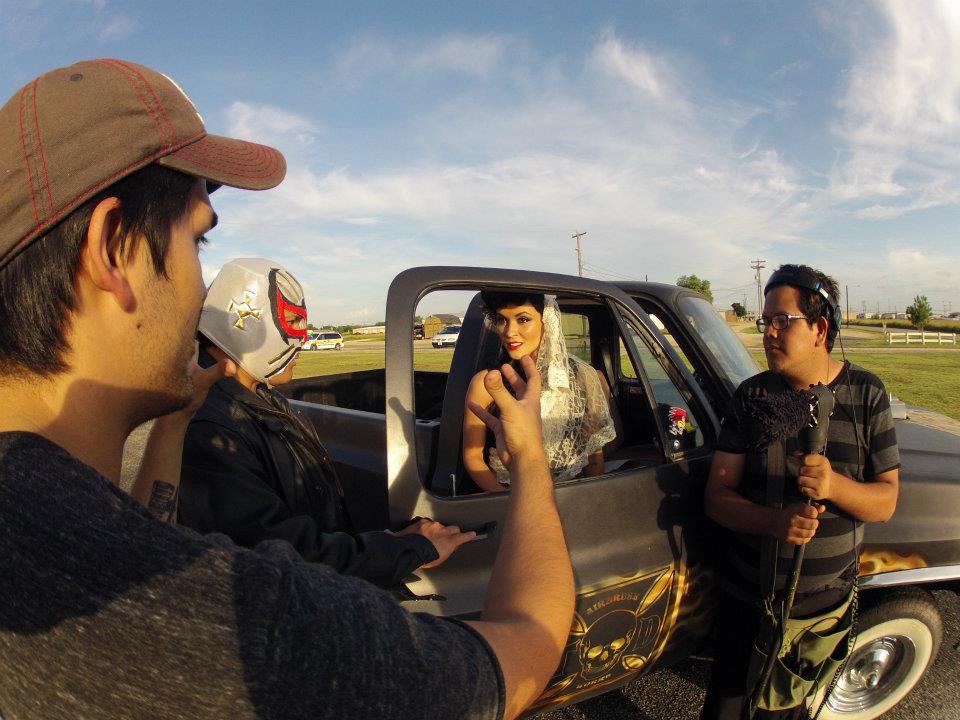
(573, 407)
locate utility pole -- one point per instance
(759, 265)
(846, 289)
(576, 236)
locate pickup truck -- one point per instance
(642, 550)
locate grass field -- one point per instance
(853, 337)
(331, 362)
(925, 377)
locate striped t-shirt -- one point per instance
(861, 443)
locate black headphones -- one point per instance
(802, 279)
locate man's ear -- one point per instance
(104, 263)
(823, 328)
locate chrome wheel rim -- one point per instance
(874, 671)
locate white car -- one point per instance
(326, 340)
(446, 337)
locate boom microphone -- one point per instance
(804, 414)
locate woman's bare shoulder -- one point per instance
(476, 390)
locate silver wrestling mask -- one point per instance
(245, 315)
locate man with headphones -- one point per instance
(855, 481)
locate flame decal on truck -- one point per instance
(880, 561)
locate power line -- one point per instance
(606, 271)
(739, 288)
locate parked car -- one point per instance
(642, 549)
(418, 331)
(326, 340)
(446, 337)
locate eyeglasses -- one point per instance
(780, 321)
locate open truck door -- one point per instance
(635, 533)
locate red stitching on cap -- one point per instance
(26, 156)
(156, 98)
(227, 164)
(245, 150)
(90, 191)
(139, 94)
(167, 133)
(43, 155)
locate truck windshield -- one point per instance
(719, 339)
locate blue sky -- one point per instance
(682, 137)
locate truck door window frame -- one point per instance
(408, 486)
(631, 327)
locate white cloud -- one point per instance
(629, 147)
(795, 68)
(642, 70)
(459, 54)
(920, 271)
(901, 115)
(269, 124)
(118, 27)
(463, 54)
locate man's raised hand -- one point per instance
(517, 430)
(205, 378)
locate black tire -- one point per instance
(339, 346)
(898, 637)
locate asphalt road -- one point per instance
(677, 693)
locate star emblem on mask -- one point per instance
(244, 309)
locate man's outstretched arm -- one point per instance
(529, 603)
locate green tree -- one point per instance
(920, 312)
(739, 309)
(695, 283)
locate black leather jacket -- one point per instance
(255, 470)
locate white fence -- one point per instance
(923, 338)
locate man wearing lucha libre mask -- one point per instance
(254, 467)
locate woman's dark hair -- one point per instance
(495, 301)
(37, 287)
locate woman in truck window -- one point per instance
(575, 401)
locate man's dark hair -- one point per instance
(494, 301)
(812, 304)
(37, 287)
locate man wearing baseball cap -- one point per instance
(106, 611)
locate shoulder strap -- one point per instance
(775, 466)
(769, 545)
